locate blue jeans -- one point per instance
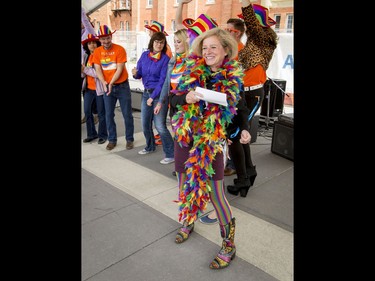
(88, 99)
(147, 116)
(121, 93)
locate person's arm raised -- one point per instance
(245, 3)
(178, 19)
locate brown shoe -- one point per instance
(229, 171)
(110, 145)
(129, 145)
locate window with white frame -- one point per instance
(210, 1)
(277, 20)
(127, 26)
(149, 3)
(289, 23)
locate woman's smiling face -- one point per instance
(213, 52)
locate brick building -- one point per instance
(133, 15)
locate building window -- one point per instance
(210, 1)
(277, 20)
(289, 23)
(121, 25)
(149, 3)
(127, 26)
(173, 25)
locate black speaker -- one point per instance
(254, 125)
(276, 97)
(283, 139)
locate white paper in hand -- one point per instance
(212, 96)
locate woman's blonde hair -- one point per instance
(226, 40)
(182, 35)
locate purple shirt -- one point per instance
(153, 73)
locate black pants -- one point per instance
(239, 153)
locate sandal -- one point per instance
(225, 256)
(184, 233)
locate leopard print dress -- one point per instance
(260, 43)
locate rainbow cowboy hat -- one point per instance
(156, 27)
(104, 31)
(261, 14)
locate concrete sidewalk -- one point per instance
(129, 219)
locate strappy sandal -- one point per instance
(225, 256)
(228, 250)
(184, 233)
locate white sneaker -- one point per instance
(167, 161)
(144, 151)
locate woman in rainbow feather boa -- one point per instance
(200, 135)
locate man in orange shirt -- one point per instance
(109, 61)
(236, 28)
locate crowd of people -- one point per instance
(202, 132)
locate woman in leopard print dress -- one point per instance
(254, 58)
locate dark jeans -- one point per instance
(122, 94)
(148, 117)
(89, 98)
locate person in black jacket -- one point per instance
(239, 151)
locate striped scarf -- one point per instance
(154, 57)
(178, 69)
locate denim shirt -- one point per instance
(167, 83)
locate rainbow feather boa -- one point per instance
(205, 126)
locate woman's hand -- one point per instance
(157, 108)
(245, 137)
(149, 101)
(193, 97)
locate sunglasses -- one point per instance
(159, 42)
(232, 30)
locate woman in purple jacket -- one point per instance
(152, 67)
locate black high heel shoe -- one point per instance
(244, 190)
(251, 174)
(240, 186)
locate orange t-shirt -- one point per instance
(169, 51)
(240, 47)
(108, 60)
(90, 80)
(254, 76)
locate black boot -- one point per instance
(251, 174)
(241, 186)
